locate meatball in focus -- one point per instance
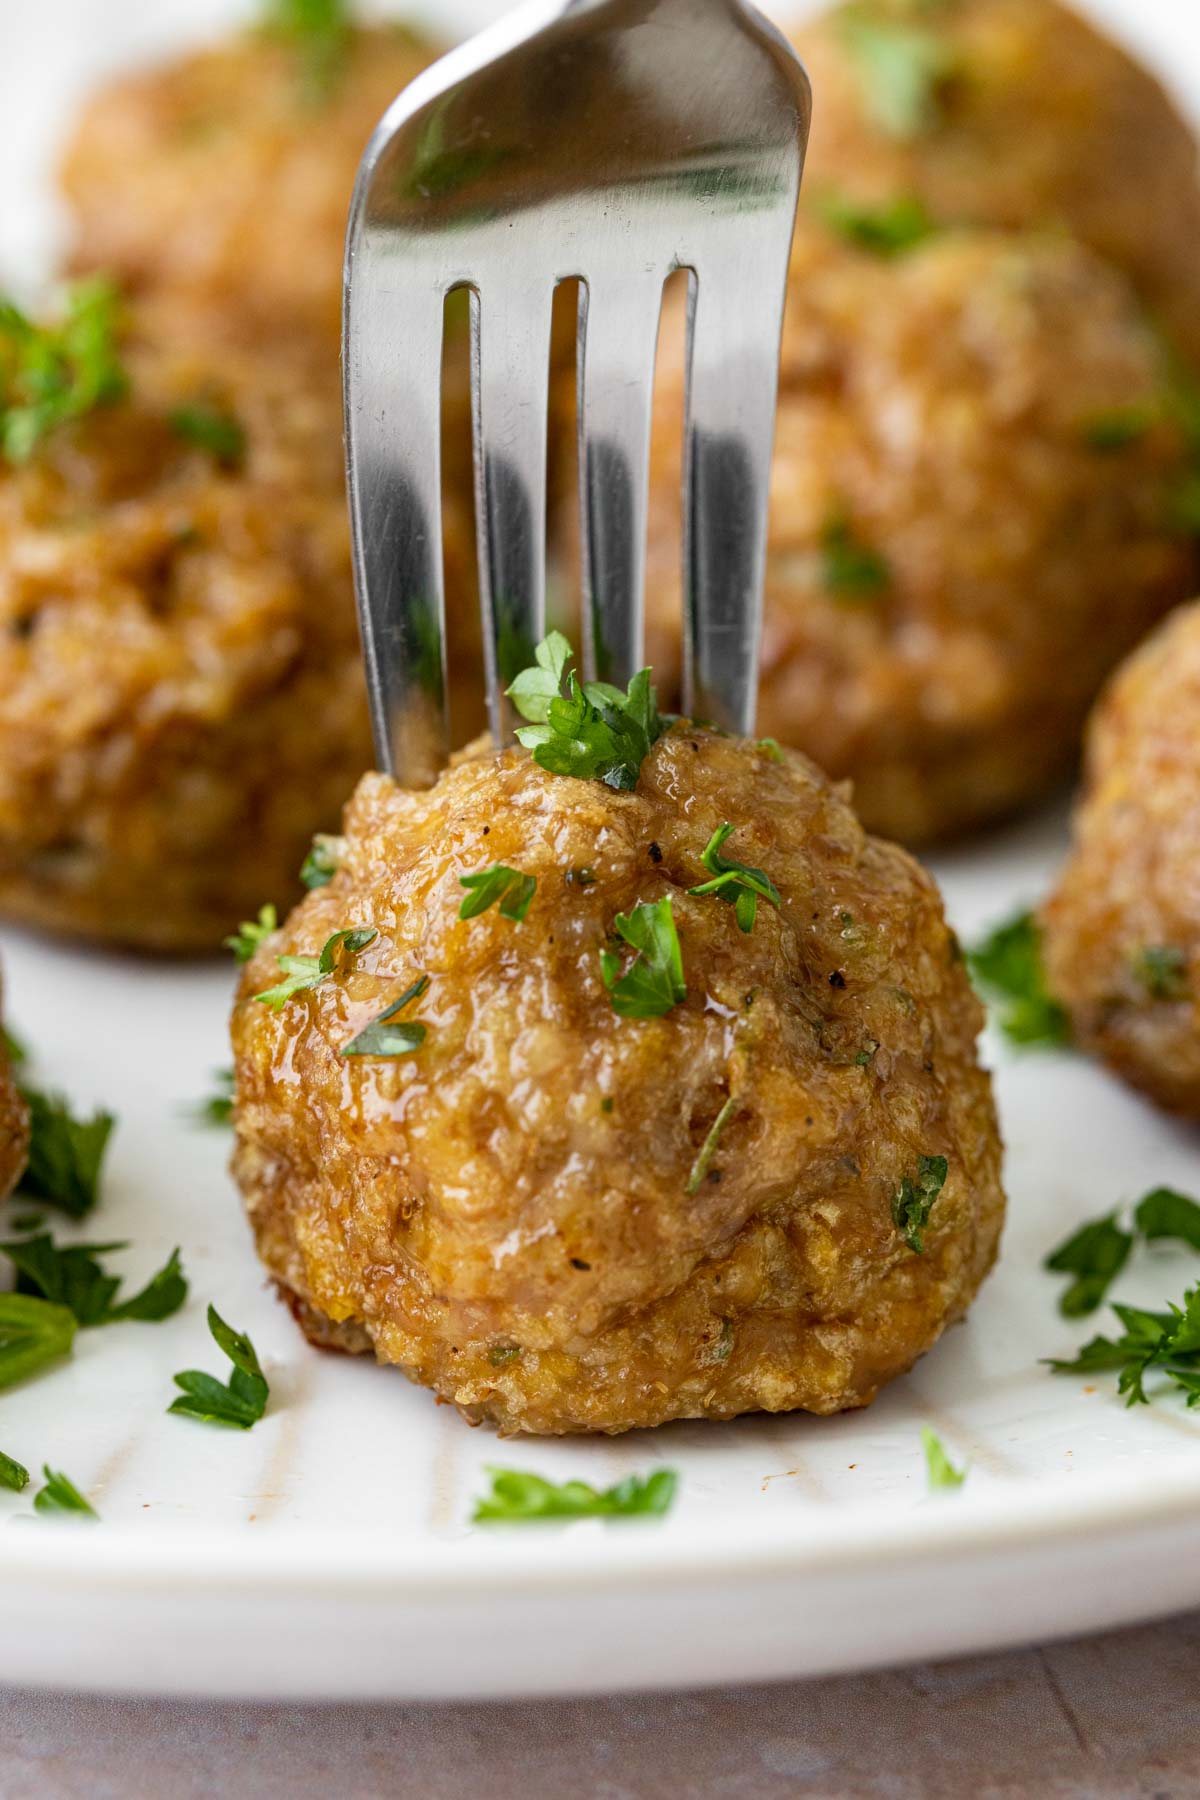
(1010, 113)
(563, 1217)
(973, 517)
(1121, 932)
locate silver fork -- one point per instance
(613, 141)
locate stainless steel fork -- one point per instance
(613, 141)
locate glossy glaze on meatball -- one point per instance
(1122, 928)
(1011, 113)
(973, 517)
(561, 1219)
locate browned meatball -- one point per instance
(561, 1219)
(14, 1125)
(1122, 928)
(1010, 113)
(226, 176)
(972, 518)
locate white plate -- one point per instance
(328, 1554)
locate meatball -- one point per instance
(561, 1218)
(973, 517)
(226, 176)
(1010, 113)
(1122, 928)
(14, 1125)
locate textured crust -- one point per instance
(939, 406)
(505, 1213)
(1132, 882)
(1042, 122)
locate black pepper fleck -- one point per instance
(837, 979)
(655, 854)
(577, 1262)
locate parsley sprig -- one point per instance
(13, 1475)
(498, 884)
(217, 1109)
(304, 972)
(850, 569)
(653, 983)
(1166, 1343)
(591, 730)
(887, 230)
(60, 1495)
(73, 1276)
(1099, 1250)
(519, 1498)
(32, 1334)
(735, 882)
(708, 1148)
(65, 1153)
(323, 860)
(902, 68)
(244, 942)
(1007, 969)
(50, 374)
(389, 1035)
(939, 1470)
(240, 1402)
(319, 31)
(211, 429)
(913, 1201)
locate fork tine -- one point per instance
(618, 339)
(734, 328)
(510, 390)
(393, 399)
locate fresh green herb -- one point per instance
(1162, 970)
(887, 230)
(593, 731)
(1007, 968)
(653, 983)
(382, 1037)
(734, 881)
(304, 972)
(60, 1495)
(771, 750)
(28, 1221)
(913, 1200)
(243, 1401)
(251, 933)
(1166, 1343)
(213, 431)
(1099, 1250)
(323, 860)
(1164, 1213)
(319, 30)
(940, 1470)
(1117, 428)
(708, 1148)
(517, 1498)
(217, 1109)
(13, 1475)
(32, 1333)
(14, 1049)
(866, 1055)
(513, 890)
(72, 1276)
(850, 569)
(50, 374)
(902, 69)
(501, 1354)
(65, 1153)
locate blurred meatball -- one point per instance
(1010, 113)
(561, 1219)
(1122, 928)
(14, 1125)
(973, 517)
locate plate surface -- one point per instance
(328, 1553)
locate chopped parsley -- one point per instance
(213, 431)
(242, 1401)
(60, 1495)
(850, 569)
(519, 1498)
(592, 731)
(486, 887)
(1117, 428)
(323, 860)
(319, 31)
(734, 881)
(251, 933)
(902, 69)
(1007, 969)
(1162, 970)
(939, 1470)
(217, 1109)
(708, 1148)
(13, 1475)
(913, 1200)
(887, 230)
(50, 374)
(72, 1276)
(32, 1334)
(1099, 1250)
(387, 1035)
(1166, 1343)
(14, 1049)
(653, 983)
(771, 750)
(304, 972)
(65, 1153)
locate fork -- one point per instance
(611, 142)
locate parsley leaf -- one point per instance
(850, 569)
(250, 933)
(734, 881)
(1162, 970)
(1095, 1256)
(708, 1148)
(593, 731)
(518, 1498)
(913, 1200)
(383, 1038)
(1164, 1213)
(320, 32)
(653, 982)
(323, 860)
(243, 1401)
(902, 69)
(1166, 1343)
(217, 1109)
(513, 890)
(65, 1153)
(940, 1471)
(60, 1495)
(211, 430)
(72, 1276)
(887, 230)
(13, 1475)
(1007, 967)
(304, 972)
(32, 1333)
(50, 374)
(771, 750)
(1117, 428)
